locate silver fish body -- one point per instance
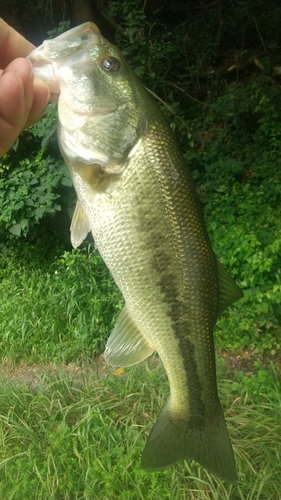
(136, 196)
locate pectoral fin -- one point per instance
(80, 226)
(229, 292)
(126, 345)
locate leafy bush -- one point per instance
(236, 160)
(34, 182)
(262, 386)
(31, 178)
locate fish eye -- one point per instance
(111, 64)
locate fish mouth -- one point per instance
(48, 57)
(44, 69)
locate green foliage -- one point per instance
(34, 182)
(30, 13)
(236, 161)
(61, 28)
(161, 42)
(262, 385)
(31, 178)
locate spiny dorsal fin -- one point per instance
(126, 345)
(229, 292)
(80, 226)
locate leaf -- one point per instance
(16, 229)
(66, 181)
(19, 205)
(33, 181)
(39, 212)
(15, 145)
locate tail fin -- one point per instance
(171, 440)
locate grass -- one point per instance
(73, 441)
(59, 310)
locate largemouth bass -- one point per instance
(137, 197)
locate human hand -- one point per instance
(23, 99)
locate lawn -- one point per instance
(80, 436)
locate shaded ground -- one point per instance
(246, 361)
(31, 374)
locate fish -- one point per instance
(136, 195)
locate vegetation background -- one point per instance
(70, 430)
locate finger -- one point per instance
(16, 98)
(41, 97)
(36, 92)
(12, 111)
(12, 44)
(22, 101)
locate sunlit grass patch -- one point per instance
(61, 312)
(72, 441)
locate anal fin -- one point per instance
(126, 345)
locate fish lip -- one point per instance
(43, 68)
(46, 58)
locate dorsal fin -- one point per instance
(229, 292)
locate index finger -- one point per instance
(12, 44)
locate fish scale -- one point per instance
(137, 197)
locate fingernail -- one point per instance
(38, 81)
(49, 93)
(20, 83)
(31, 70)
